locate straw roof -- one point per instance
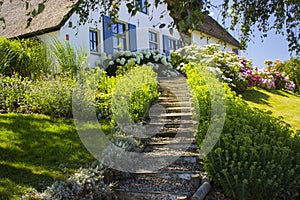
(52, 18)
(56, 13)
(211, 27)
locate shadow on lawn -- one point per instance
(256, 96)
(33, 149)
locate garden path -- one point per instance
(172, 145)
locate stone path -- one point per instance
(172, 145)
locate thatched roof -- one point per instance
(51, 19)
(213, 28)
(57, 12)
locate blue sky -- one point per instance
(272, 47)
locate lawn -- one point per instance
(35, 150)
(280, 103)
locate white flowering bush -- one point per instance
(116, 64)
(232, 68)
(87, 183)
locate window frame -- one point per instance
(153, 42)
(172, 41)
(120, 36)
(94, 40)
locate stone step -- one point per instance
(173, 133)
(184, 121)
(171, 109)
(137, 195)
(176, 95)
(174, 98)
(170, 140)
(163, 115)
(162, 127)
(177, 104)
(174, 89)
(171, 79)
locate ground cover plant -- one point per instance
(257, 155)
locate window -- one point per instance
(172, 44)
(179, 44)
(153, 42)
(94, 40)
(119, 36)
(142, 6)
(236, 51)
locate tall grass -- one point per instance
(68, 58)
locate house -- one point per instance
(145, 30)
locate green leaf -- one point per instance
(41, 8)
(29, 20)
(27, 5)
(3, 20)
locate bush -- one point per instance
(24, 57)
(50, 95)
(129, 98)
(292, 69)
(87, 183)
(118, 64)
(233, 69)
(256, 156)
(12, 92)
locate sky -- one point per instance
(272, 47)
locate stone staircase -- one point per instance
(172, 142)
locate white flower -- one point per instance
(123, 60)
(156, 58)
(128, 53)
(111, 63)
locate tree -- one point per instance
(245, 15)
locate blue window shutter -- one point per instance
(166, 47)
(132, 37)
(108, 35)
(236, 51)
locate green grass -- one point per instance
(35, 150)
(280, 103)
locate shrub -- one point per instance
(12, 92)
(129, 98)
(161, 64)
(274, 77)
(87, 183)
(235, 70)
(292, 69)
(51, 95)
(232, 68)
(256, 156)
(26, 57)
(104, 94)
